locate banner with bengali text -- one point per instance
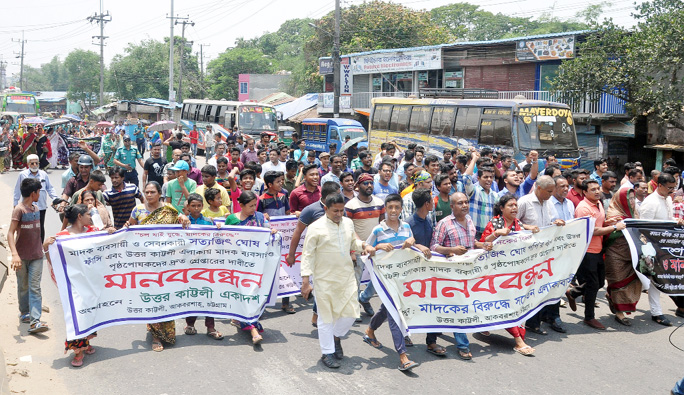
(290, 278)
(657, 249)
(155, 273)
(481, 290)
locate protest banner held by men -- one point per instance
(471, 242)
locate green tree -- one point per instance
(143, 70)
(223, 71)
(642, 66)
(83, 72)
(468, 22)
(34, 79)
(284, 47)
(55, 74)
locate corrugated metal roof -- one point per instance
(297, 106)
(161, 102)
(310, 113)
(466, 43)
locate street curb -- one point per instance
(4, 379)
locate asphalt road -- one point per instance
(620, 360)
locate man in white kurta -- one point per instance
(325, 256)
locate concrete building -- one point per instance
(499, 69)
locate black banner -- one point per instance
(657, 250)
(93, 143)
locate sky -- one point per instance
(54, 28)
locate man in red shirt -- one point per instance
(194, 138)
(592, 271)
(575, 193)
(307, 193)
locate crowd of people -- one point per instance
(351, 204)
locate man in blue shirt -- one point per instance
(126, 157)
(422, 228)
(390, 233)
(382, 187)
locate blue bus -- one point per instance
(319, 133)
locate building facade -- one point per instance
(500, 69)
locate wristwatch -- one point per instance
(614, 228)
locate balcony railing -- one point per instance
(597, 104)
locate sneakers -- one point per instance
(38, 327)
(329, 361)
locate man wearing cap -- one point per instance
(47, 189)
(126, 157)
(80, 180)
(178, 190)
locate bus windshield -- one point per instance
(22, 104)
(257, 119)
(546, 128)
(352, 132)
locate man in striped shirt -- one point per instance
(482, 198)
(392, 233)
(366, 211)
(121, 197)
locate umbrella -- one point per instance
(57, 122)
(104, 124)
(33, 121)
(351, 142)
(162, 125)
(72, 117)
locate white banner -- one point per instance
(156, 273)
(386, 62)
(481, 291)
(290, 278)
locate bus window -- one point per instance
(381, 116)
(221, 115)
(400, 118)
(199, 110)
(207, 113)
(333, 134)
(191, 112)
(495, 127)
(184, 112)
(443, 121)
(467, 122)
(420, 119)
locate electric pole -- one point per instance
(101, 19)
(182, 53)
(21, 71)
(201, 56)
(336, 62)
(3, 67)
(172, 96)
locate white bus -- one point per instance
(250, 117)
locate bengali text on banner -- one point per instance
(154, 273)
(481, 290)
(657, 249)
